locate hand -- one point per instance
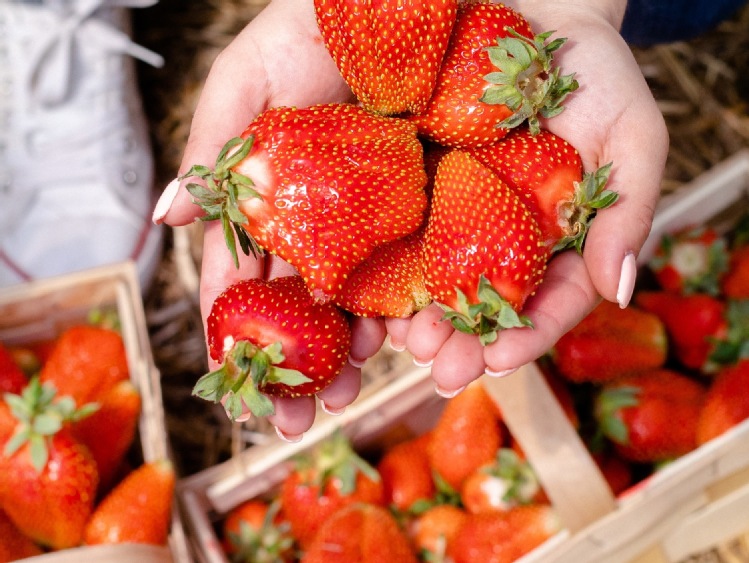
(612, 117)
(277, 60)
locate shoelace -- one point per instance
(51, 61)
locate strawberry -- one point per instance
(506, 482)
(390, 282)
(495, 75)
(433, 531)
(727, 402)
(12, 377)
(253, 531)
(14, 545)
(271, 337)
(735, 283)
(406, 474)
(388, 52)
(137, 510)
(615, 470)
(503, 537)
(466, 436)
(693, 259)
(547, 170)
(110, 431)
(651, 416)
(324, 481)
(48, 480)
(86, 361)
(484, 253)
(320, 186)
(610, 342)
(361, 532)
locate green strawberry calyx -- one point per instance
(609, 404)
(267, 544)
(223, 190)
(526, 80)
(487, 317)
(240, 379)
(578, 214)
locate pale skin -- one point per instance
(611, 118)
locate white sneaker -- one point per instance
(76, 168)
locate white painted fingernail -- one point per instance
(626, 280)
(290, 438)
(501, 373)
(165, 201)
(448, 394)
(396, 347)
(356, 363)
(332, 410)
(244, 417)
(423, 364)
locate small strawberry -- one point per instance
(320, 186)
(137, 510)
(691, 260)
(484, 253)
(466, 436)
(433, 531)
(271, 337)
(548, 171)
(610, 342)
(253, 531)
(735, 284)
(651, 416)
(86, 361)
(617, 471)
(727, 402)
(406, 474)
(48, 480)
(388, 52)
(503, 537)
(14, 545)
(494, 76)
(12, 377)
(324, 481)
(390, 281)
(361, 532)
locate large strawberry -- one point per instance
(495, 75)
(727, 402)
(320, 186)
(255, 531)
(548, 170)
(48, 480)
(433, 531)
(484, 253)
(389, 52)
(273, 338)
(406, 473)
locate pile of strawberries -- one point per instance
(462, 492)
(439, 185)
(68, 423)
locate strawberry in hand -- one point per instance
(271, 337)
(320, 187)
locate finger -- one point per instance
(293, 417)
(566, 295)
(342, 391)
(397, 330)
(426, 334)
(367, 337)
(459, 361)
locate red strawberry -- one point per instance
(735, 284)
(390, 282)
(324, 481)
(48, 480)
(466, 436)
(433, 531)
(14, 545)
(253, 531)
(361, 532)
(494, 76)
(616, 470)
(506, 482)
(85, 362)
(406, 474)
(503, 537)
(610, 342)
(652, 415)
(727, 402)
(110, 431)
(137, 510)
(320, 186)
(484, 253)
(549, 172)
(12, 377)
(272, 338)
(388, 52)
(691, 260)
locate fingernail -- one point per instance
(500, 373)
(332, 410)
(165, 201)
(423, 363)
(448, 394)
(356, 363)
(626, 280)
(396, 347)
(244, 417)
(290, 438)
